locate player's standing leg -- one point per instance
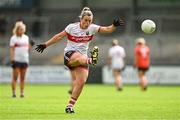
(78, 84)
(73, 78)
(15, 73)
(118, 82)
(22, 80)
(143, 80)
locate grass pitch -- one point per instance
(97, 102)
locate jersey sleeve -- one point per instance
(94, 28)
(67, 29)
(12, 41)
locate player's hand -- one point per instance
(31, 42)
(118, 22)
(40, 48)
(12, 64)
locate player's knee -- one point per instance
(81, 82)
(22, 79)
(15, 77)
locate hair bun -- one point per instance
(86, 9)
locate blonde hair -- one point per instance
(86, 11)
(115, 42)
(141, 41)
(17, 25)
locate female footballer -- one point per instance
(142, 61)
(19, 56)
(116, 60)
(79, 35)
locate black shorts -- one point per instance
(143, 69)
(20, 64)
(67, 57)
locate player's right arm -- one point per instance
(12, 48)
(56, 38)
(11, 53)
(40, 48)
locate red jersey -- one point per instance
(142, 56)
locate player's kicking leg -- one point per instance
(94, 55)
(77, 59)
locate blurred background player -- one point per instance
(19, 56)
(116, 62)
(142, 61)
(79, 36)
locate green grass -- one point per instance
(97, 102)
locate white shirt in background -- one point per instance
(21, 50)
(117, 55)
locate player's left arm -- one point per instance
(109, 29)
(12, 53)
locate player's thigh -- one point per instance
(116, 72)
(23, 72)
(15, 72)
(141, 73)
(76, 59)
